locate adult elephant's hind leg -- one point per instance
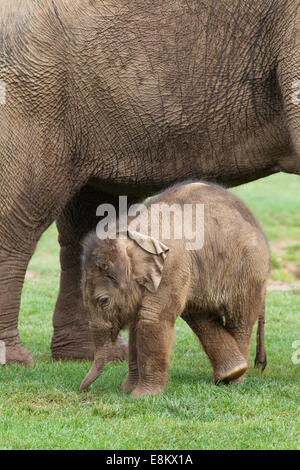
(71, 338)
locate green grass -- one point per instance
(276, 203)
(41, 407)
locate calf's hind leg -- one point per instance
(242, 315)
(220, 346)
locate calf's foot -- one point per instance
(142, 390)
(155, 386)
(227, 373)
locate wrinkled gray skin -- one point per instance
(108, 97)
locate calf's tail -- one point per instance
(261, 355)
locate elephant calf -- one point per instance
(145, 282)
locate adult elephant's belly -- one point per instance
(227, 156)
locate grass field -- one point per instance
(41, 407)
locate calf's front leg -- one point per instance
(155, 332)
(133, 375)
(154, 346)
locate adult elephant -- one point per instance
(108, 97)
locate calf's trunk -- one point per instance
(100, 359)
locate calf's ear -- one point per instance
(149, 271)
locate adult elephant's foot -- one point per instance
(118, 351)
(230, 372)
(13, 266)
(130, 383)
(13, 352)
(72, 342)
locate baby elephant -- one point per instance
(194, 251)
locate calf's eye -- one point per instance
(103, 301)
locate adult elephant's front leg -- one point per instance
(27, 208)
(13, 266)
(71, 338)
